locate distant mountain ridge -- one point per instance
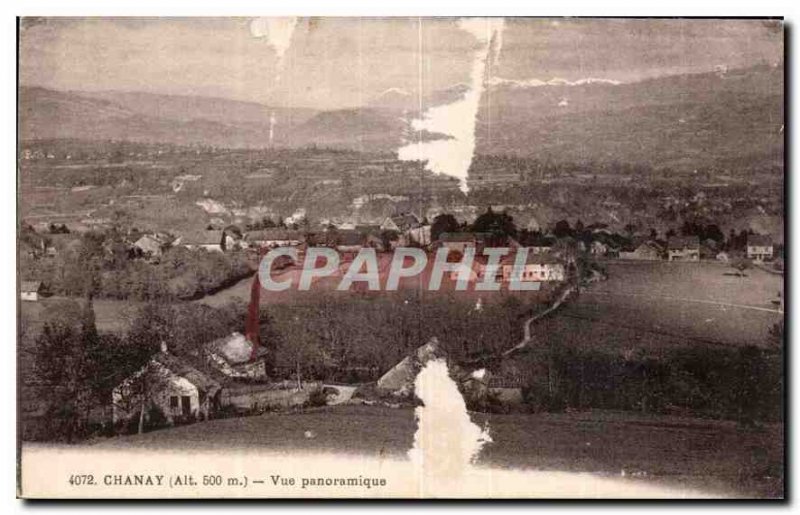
(144, 117)
(677, 121)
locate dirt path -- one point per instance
(527, 338)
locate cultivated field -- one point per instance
(655, 305)
(708, 455)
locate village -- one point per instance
(235, 374)
(549, 245)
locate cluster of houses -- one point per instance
(548, 258)
(401, 230)
(223, 372)
(760, 248)
(541, 264)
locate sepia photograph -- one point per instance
(400, 258)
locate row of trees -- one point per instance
(358, 338)
(502, 225)
(79, 367)
(101, 264)
(498, 224)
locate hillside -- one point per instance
(719, 119)
(143, 117)
(685, 122)
(353, 129)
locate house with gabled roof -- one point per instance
(537, 267)
(400, 223)
(683, 248)
(276, 237)
(759, 247)
(30, 290)
(152, 245)
(170, 383)
(645, 251)
(212, 241)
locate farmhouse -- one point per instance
(30, 290)
(759, 247)
(683, 248)
(400, 223)
(646, 251)
(231, 356)
(598, 248)
(538, 267)
(169, 383)
(480, 384)
(400, 379)
(212, 241)
(151, 245)
(458, 241)
(273, 238)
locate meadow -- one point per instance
(660, 304)
(708, 455)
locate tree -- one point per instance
(443, 223)
(713, 232)
(72, 358)
(498, 224)
(562, 229)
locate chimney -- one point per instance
(163, 346)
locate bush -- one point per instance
(316, 398)
(488, 403)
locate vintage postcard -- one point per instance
(341, 257)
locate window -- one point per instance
(173, 401)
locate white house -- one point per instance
(683, 249)
(538, 267)
(273, 238)
(645, 251)
(759, 247)
(151, 245)
(212, 241)
(169, 383)
(29, 290)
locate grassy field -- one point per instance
(702, 281)
(708, 455)
(111, 315)
(660, 304)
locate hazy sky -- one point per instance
(338, 62)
